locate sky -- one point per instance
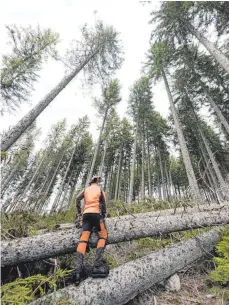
(130, 18)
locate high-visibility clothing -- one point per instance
(94, 200)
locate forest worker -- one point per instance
(94, 212)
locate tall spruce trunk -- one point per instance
(52, 180)
(172, 184)
(109, 183)
(97, 147)
(131, 188)
(149, 167)
(222, 182)
(162, 174)
(217, 110)
(10, 177)
(194, 188)
(211, 176)
(54, 207)
(219, 176)
(143, 171)
(168, 184)
(73, 188)
(117, 186)
(34, 176)
(66, 190)
(29, 118)
(216, 53)
(103, 159)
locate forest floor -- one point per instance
(196, 287)
(195, 290)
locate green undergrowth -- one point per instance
(219, 278)
(120, 208)
(23, 224)
(24, 290)
(147, 245)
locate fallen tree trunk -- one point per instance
(130, 279)
(62, 242)
(188, 209)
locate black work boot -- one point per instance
(79, 267)
(100, 268)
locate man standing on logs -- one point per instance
(94, 212)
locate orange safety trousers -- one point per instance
(90, 221)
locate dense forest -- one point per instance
(148, 162)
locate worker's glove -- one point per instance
(78, 221)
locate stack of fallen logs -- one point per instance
(132, 278)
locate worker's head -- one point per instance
(96, 179)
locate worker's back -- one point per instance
(91, 197)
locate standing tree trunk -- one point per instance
(103, 159)
(143, 171)
(10, 177)
(216, 53)
(130, 197)
(97, 147)
(222, 183)
(217, 110)
(162, 174)
(172, 184)
(34, 175)
(63, 181)
(73, 188)
(149, 170)
(195, 192)
(29, 118)
(211, 176)
(116, 197)
(61, 207)
(43, 198)
(168, 184)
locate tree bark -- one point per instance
(149, 168)
(195, 192)
(54, 207)
(222, 183)
(118, 173)
(168, 185)
(162, 174)
(29, 118)
(143, 171)
(166, 212)
(66, 187)
(217, 110)
(52, 244)
(211, 176)
(132, 278)
(34, 176)
(97, 148)
(9, 178)
(53, 177)
(103, 159)
(216, 53)
(131, 188)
